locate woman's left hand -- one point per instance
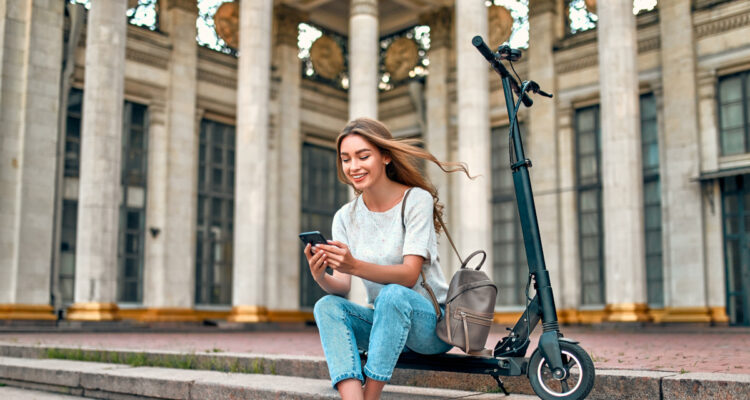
(339, 257)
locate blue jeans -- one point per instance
(402, 320)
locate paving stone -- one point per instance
(700, 385)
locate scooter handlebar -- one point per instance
(478, 42)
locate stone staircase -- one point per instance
(128, 374)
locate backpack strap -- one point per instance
(424, 283)
(440, 220)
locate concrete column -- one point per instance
(712, 229)
(155, 263)
(437, 115)
(681, 196)
(363, 81)
(174, 278)
(473, 214)
(3, 17)
(568, 297)
(542, 144)
(363, 59)
(31, 50)
(622, 176)
(283, 288)
(251, 166)
(101, 150)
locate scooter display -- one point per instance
(558, 368)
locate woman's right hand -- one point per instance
(317, 262)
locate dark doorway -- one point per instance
(736, 216)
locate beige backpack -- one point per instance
(469, 305)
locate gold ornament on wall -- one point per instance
(501, 25)
(327, 57)
(227, 24)
(401, 57)
(590, 6)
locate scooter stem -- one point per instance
(548, 343)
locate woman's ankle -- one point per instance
(373, 388)
(350, 389)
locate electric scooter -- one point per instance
(558, 368)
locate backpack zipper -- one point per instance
(475, 318)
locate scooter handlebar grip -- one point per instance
(545, 94)
(478, 42)
(527, 100)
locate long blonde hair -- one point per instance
(404, 153)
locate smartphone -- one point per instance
(312, 238)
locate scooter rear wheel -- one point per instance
(579, 374)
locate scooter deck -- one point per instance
(499, 366)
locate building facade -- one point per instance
(145, 177)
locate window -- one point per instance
(582, 14)
(133, 207)
(590, 233)
(734, 113)
(206, 27)
(509, 254)
(214, 247)
(130, 278)
(73, 132)
(652, 201)
(322, 195)
(519, 11)
(399, 43)
(143, 13)
(335, 48)
(68, 251)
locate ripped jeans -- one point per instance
(402, 320)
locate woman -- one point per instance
(373, 242)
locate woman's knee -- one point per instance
(328, 305)
(392, 294)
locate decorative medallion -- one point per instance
(227, 24)
(327, 57)
(501, 26)
(590, 6)
(401, 57)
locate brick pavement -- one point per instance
(678, 348)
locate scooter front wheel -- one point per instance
(579, 379)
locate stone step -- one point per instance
(105, 380)
(11, 393)
(610, 384)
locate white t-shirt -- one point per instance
(379, 238)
